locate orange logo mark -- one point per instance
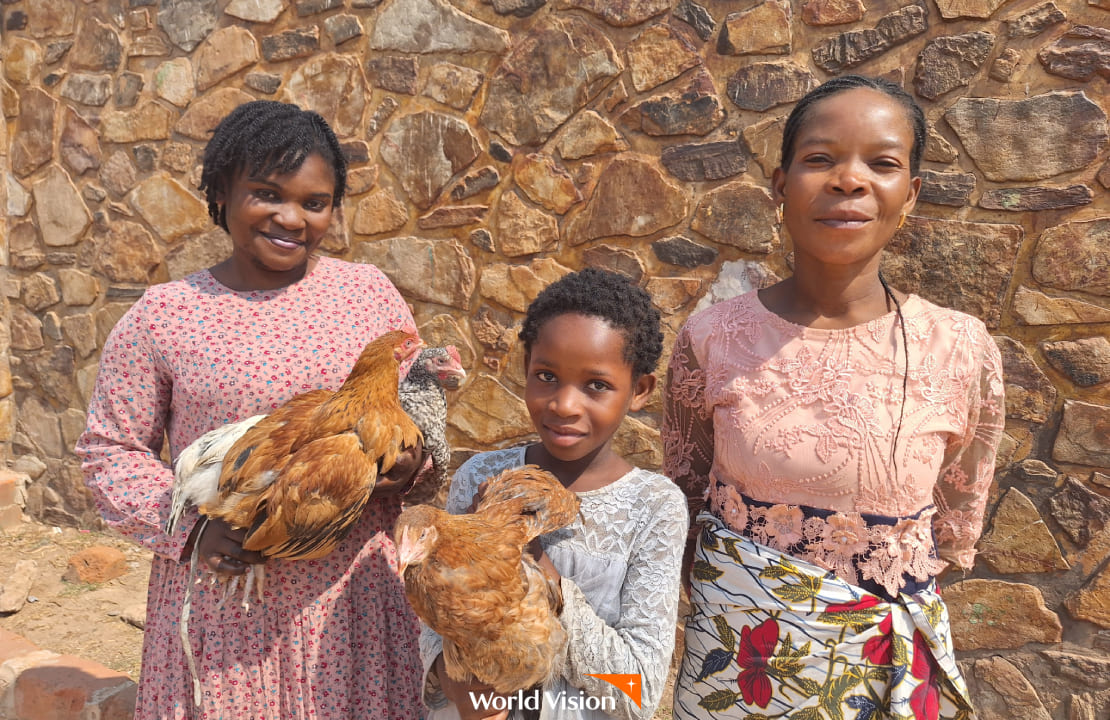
(628, 684)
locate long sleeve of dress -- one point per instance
(123, 439)
(687, 432)
(961, 492)
(642, 640)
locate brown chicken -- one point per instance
(471, 579)
(297, 479)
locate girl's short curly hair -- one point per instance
(264, 137)
(610, 297)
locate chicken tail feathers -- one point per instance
(197, 469)
(533, 494)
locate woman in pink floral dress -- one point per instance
(841, 436)
(333, 638)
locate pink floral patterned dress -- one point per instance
(836, 488)
(334, 637)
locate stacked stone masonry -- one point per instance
(498, 144)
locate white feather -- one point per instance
(197, 469)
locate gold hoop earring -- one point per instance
(902, 221)
(778, 214)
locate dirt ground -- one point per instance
(87, 620)
(77, 618)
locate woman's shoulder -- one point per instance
(345, 271)
(745, 303)
(945, 319)
(169, 296)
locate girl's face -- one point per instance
(579, 386)
(849, 182)
(277, 222)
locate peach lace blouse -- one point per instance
(765, 419)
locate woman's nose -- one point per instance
(849, 177)
(290, 216)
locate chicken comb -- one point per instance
(454, 353)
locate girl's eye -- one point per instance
(316, 206)
(545, 376)
(597, 386)
(264, 194)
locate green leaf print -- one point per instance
(934, 611)
(719, 701)
(708, 540)
(706, 572)
(833, 692)
(773, 572)
(808, 686)
(857, 620)
(802, 591)
(809, 713)
(730, 548)
(724, 631)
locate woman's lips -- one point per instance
(283, 242)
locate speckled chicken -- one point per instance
(471, 579)
(423, 398)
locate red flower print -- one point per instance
(879, 650)
(925, 698)
(867, 601)
(756, 649)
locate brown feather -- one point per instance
(298, 480)
(479, 588)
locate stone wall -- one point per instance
(496, 145)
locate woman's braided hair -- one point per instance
(802, 108)
(262, 138)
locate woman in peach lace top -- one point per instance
(841, 436)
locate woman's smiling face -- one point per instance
(277, 222)
(849, 181)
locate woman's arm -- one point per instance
(961, 492)
(687, 433)
(121, 446)
(642, 640)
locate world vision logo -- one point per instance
(628, 684)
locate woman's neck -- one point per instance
(828, 300)
(592, 472)
(247, 277)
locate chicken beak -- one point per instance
(405, 551)
(454, 379)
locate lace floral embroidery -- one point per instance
(843, 542)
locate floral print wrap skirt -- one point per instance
(771, 636)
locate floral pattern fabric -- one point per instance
(334, 638)
(771, 636)
(794, 416)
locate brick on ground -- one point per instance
(59, 687)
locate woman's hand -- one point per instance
(220, 548)
(459, 694)
(403, 475)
